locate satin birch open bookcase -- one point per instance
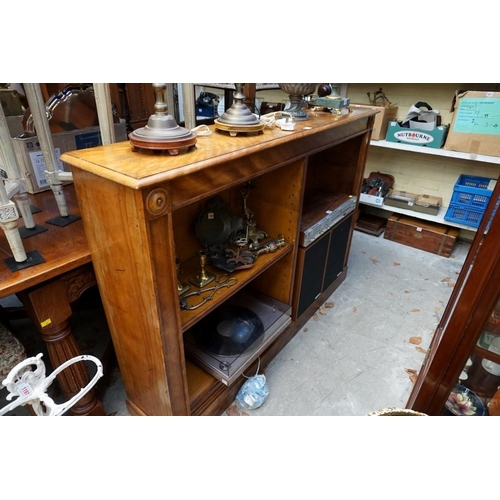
(140, 210)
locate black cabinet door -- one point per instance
(322, 263)
(339, 238)
(313, 270)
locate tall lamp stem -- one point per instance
(37, 108)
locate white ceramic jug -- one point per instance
(488, 365)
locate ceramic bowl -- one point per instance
(463, 402)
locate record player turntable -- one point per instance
(230, 339)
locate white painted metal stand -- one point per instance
(189, 105)
(8, 222)
(54, 176)
(104, 112)
(30, 386)
(14, 187)
(169, 98)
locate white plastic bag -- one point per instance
(253, 393)
(421, 116)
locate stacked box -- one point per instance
(471, 195)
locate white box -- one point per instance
(369, 199)
(30, 158)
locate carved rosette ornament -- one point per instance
(156, 202)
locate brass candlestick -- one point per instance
(204, 278)
(181, 287)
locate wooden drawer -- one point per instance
(429, 236)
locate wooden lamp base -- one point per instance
(172, 146)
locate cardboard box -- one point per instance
(15, 124)
(30, 158)
(382, 119)
(427, 204)
(401, 199)
(11, 102)
(426, 200)
(394, 202)
(416, 202)
(428, 236)
(475, 127)
(403, 195)
(428, 138)
(429, 209)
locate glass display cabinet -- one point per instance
(461, 372)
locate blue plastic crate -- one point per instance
(469, 200)
(468, 217)
(473, 185)
(462, 215)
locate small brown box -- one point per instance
(400, 199)
(385, 115)
(428, 236)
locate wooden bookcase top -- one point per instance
(117, 162)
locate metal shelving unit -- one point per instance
(436, 152)
(439, 218)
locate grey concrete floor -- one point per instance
(351, 358)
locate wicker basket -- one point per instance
(396, 412)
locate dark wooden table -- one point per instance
(47, 289)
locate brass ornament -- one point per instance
(296, 93)
(204, 277)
